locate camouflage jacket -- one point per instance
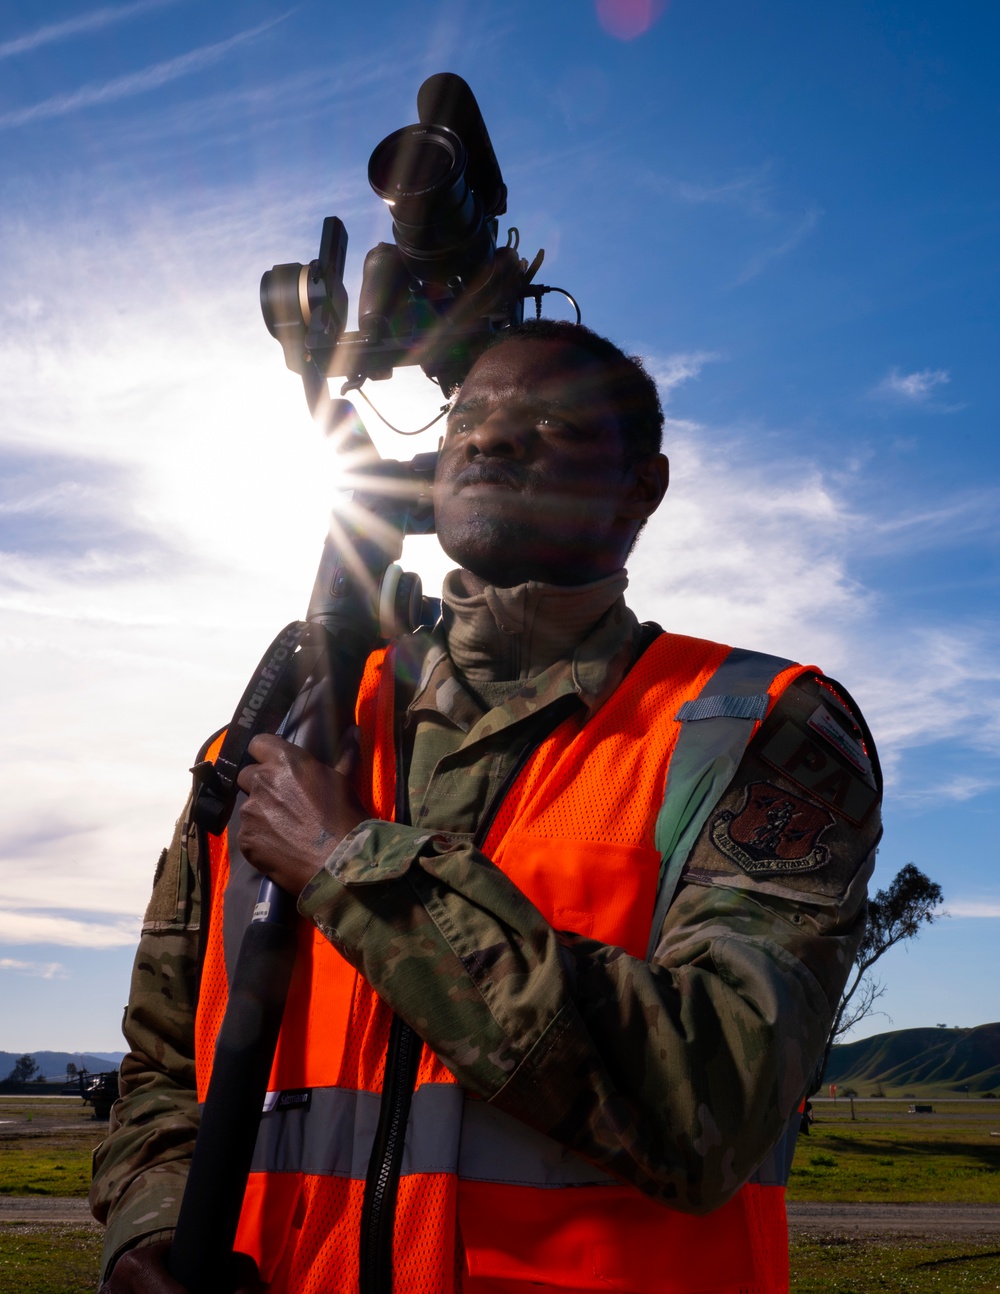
(677, 1074)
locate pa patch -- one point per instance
(835, 771)
(773, 832)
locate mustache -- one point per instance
(492, 472)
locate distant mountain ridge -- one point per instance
(910, 1059)
(53, 1063)
(943, 1059)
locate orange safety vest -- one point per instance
(486, 1205)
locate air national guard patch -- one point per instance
(772, 832)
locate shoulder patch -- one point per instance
(823, 722)
(827, 767)
(773, 831)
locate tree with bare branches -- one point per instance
(894, 914)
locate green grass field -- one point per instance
(875, 1267)
(49, 1260)
(45, 1145)
(45, 1149)
(884, 1154)
(889, 1155)
(64, 1260)
(35, 1170)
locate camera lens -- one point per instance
(419, 170)
(407, 170)
(438, 223)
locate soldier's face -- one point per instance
(532, 481)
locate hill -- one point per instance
(906, 1060)
(53, 1063)
(920, 1060)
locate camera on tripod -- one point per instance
(438, 293)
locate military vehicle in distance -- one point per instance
(99, 1090)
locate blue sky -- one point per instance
(790, 210)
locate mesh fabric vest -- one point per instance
(485, 1207)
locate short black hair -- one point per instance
(632, 390)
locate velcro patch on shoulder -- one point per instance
(773, 831)
(813, 761)
(822, 722)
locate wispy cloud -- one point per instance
(958, 789)
(761, 260)
(972, 908)
(269, 105)
(133, 83)
(932, 683)
(35, 970)
(85, 22)
(762, 551)
(42, 928)
(104, 648)
(69, 506)
(670, 372)
(953, 520)
(751, 192)
(749, 551)
(912, 388)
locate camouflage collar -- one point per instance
(592, 673)
(519, 632)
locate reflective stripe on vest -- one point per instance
(715, 734)
(330, 1132)
(588, 834)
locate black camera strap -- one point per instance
(267, 699)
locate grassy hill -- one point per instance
(920, 1061)
(53, 1063)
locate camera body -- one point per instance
(437, 293)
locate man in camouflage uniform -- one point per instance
(549, 468)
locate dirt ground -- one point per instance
(53, 1211)
(893, 1221)
(808, 1221)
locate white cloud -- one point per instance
(972, 908)
(34, 970)
(760, 552)
(133, 83)
(960, 788)
(746, 551)
(763, 259)
(912, 388)
(955, 519)
(41, 928)
(671, 371)
(129, 651)
(750, 192)
(78, 26)
(933, 683)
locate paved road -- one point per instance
(44, 1208)
(922, 1221)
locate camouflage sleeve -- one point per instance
(141, 1166)
(677, 1074)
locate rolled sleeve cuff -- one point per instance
(375, 852)
(147, 1213)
